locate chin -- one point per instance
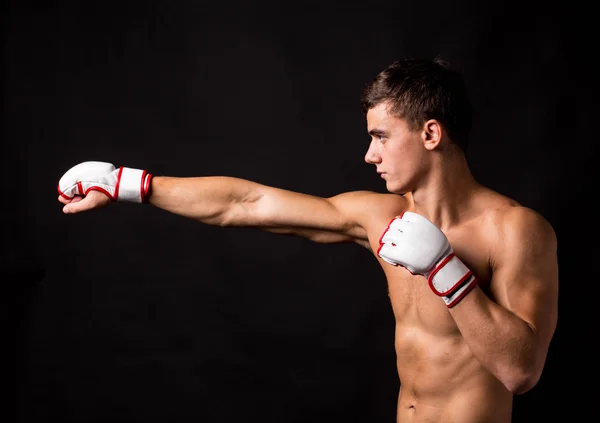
(394, 189)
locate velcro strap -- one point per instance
(448, 275)
(458, 294)
(130, 185)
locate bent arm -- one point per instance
(229, 201)
(511, 336)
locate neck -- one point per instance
(446, 190)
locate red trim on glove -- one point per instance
(383, 234)
(453, 287)
(118, 183)
(462, 295)
(102, 190)
(145, 186)
(62, 194)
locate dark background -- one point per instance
(131, 314)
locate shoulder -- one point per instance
(370, 203)
(371, 211)
(504, 218)
(520, 221)
(521, 230)
(369, 198)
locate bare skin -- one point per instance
(462, 364)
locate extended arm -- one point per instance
(228, 201)
(511, 336)
(219, 201)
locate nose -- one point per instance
(372, 155)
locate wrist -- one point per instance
(451, 279)
(460, 292)
(133, 185)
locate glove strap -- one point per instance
(466, 287)
(451, 279)
(133, 185)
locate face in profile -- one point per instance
(397, 152)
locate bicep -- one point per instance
(525, 278)
(327, 220)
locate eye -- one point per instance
(379, 137)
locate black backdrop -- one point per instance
(131, 314)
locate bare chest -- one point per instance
(413, 302)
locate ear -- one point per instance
(432, 134)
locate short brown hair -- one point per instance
(423, 89)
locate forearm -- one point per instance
(502, 342)
(214, 200)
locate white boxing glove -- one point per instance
(414, 242)
(119, 184)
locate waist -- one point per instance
(435, 366)
(481, 403)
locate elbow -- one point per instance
(242, 212)
(225, 220)
(525, 370)
(521, 385)
(522, 379)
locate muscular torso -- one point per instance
(440, 379)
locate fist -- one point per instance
(414, 242)
(91, 178)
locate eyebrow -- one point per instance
(377, 132)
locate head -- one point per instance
(415, 110)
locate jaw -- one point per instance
(396, 188)
(401, 187)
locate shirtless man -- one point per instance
(472, 275)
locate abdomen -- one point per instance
(440, 379)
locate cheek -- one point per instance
(399, 155)
(404, 163)
(411, 150)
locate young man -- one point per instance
(472, 275)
